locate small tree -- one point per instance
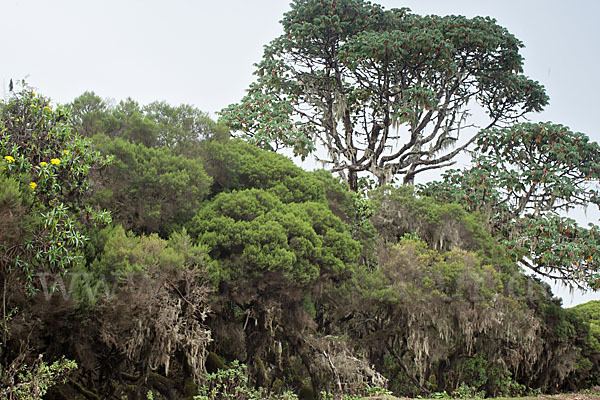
(22, 382)
(384, 91)
(525, 178)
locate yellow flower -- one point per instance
(33, 185)
(43, 163)
(47, 108)
(66, 152)
(59, 243)
(55, 161)
(9, 159)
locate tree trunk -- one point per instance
(353, 180)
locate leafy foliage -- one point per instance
(235, 165)
(317, 288)
(44, 184)
(423, 314)
(23, 382)
(119, 255)
(154, 125)
(252, 233)
(444, 226)
(588, 363)
(150, 189)
(232, 383)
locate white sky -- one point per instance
(201, 52)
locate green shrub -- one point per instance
(235, 165)
(233, 384)
(20, 381)
(150, 189)
(45, 172)
(252, 233)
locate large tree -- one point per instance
(384, 91)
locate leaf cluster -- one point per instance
(252, 232)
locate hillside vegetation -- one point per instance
(147, 252)
(216, 252)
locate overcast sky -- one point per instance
(201, 52)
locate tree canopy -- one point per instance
(252, 233)
(154, 125)
(149, 189)
(384, 91)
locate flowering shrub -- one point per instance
(44, 168)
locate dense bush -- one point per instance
(253, 233)
(587, 368)
(157, 124)
(236, 165)
(149, 189)
(44, 171)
